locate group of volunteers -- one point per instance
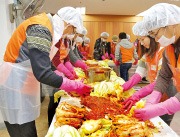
(120, 50)
(45, 49)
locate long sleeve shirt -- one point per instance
(165, 74)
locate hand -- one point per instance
(131, 101)
(103, 57)
(61, 67)
(116, 62)
(77, 86)
(81, 64)
(136, 78)
(169, 106)
(135, 62)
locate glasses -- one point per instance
(153, 34)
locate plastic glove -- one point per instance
(135, 62)
(65, 71)
(81, 64)
(136, 78)
(70, 67)
(77, 86)
(128, 103)
(154, 98)
(170, 106)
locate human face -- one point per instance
(145, 41)
(69, 29)
(167, 31)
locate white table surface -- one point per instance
(165, 130)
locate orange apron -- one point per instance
(63, 49)
(152, 64)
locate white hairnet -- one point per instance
(82, 31)
(72, 16)
(86, 40)
(139, 29)
(79, 39)
(104, 34)
(161, 15)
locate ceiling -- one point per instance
(106, 7)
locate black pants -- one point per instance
(51, 109)
(23, 130)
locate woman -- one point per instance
(150, 63)
(162, 22)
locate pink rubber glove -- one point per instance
(81, 64)
(170, 106)
(59, 73)
(103, 57)
(136, 78)
(112, 56)
(65, 71)
(77, 86)
(154, 98)
(70, 67)
(146, 90)
(106, 55)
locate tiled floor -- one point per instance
(42, 124)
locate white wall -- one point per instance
(6, 30)
(6, 27)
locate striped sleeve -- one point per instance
(39, 37)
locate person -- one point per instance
(162, 22)
(27, 61)
(113, 43)
(74, 53)
(102, 47)
(125, 53)
(149, 64)
(85, 48)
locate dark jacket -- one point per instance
(100, 48)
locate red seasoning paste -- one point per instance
(100, 106)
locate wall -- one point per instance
(6, 29)
(113, 24)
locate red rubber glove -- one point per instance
(70, 67)
(170, 106)
(128, 103)
(135, 62)
(116, 62)
(112, 56)
(136, 78)
(65, 71)
(77, 86)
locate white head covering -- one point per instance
(72, 16)
(86, 40)
(161, 15)
(104, 34)
(139, 29)
(82, 31)
(78, 39)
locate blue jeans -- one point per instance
(124, 68)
